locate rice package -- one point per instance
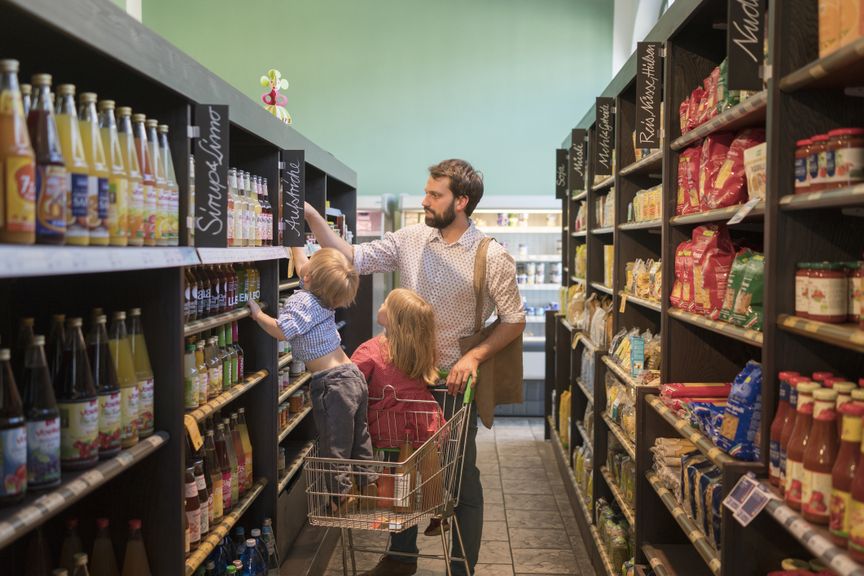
(739, 434)
(688, 201)
(730, 185)
(748, 310)
(733, 284)
(713, 254)
(715, 147)
(704, 478)
(682, 287)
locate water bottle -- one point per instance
(253, 563)
(270, 543)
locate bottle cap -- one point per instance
(87, 97)
(107, 105)
(808, 387)
(825, 395)
(119, 315)
(135, 312)
(38, 340)
(250, 543)
(80, 559)
(124, 111)
(74, 322)
(256, 533)
(39, 80)
(102, 523)
(163, 128)
(65, 89)
(26, 89)
(135, 524)
(151, 123)
(139, 118)
(8, 65)
(100, 319)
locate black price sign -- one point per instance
(649, 88)
(211, 176)
(605, 129)
(561, 173)
(744, 43)
(577, 160)
(293, 197)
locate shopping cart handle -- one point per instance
(469, 389)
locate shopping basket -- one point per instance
(407, 492)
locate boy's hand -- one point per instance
(254, 310)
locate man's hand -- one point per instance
(254, 310)
(308, 209)
(459, 373)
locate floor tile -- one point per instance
(526, 475)
(545, 562)
(493, 513)
(538, 486)
(534, 519)
(534, 538)
(534, 462)
(493, 570)
(530, 502)
(494, 552)
(496, 531)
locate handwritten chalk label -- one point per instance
(561, 173)
(211, 176)
(605, 136)
(744, 43)
(577, 160)
(293, 176)
(649, 94)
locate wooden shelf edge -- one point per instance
(650, 161)
(644, 225)
(843, 335)
(241, 254)
(289, 285)
(840, 198)
(625, 506)
(751, 337)
(602, 185)
(580, 234)
(603, 230)
(584, 434)
(295, 467)
(579, 197)
(752, 107)
(588, 394)
(619, 372)
(602, 288)
(294, 386)
(285, 359)
(294, 422)
(823, 67)
(649, 304)
(228, 396)
(618, 432)
(198, 326)
(717, 215)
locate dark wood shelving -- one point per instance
(602, 288)
(603, 184)
(198, 326)
(752, 337)
(619, 372)
(749, 113)
(647, 166)
(294, 422)
(294, 386)
(293, 467)
(623, 504)
(842, 68)
(675, 560)
(602, 231)
(649, 304)
(228, 396)
(839, 198)
(718, 215)
(619, 434)
(848, 336)
(588, 394)
(645, 225)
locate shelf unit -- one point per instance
(623, 504)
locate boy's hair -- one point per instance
(411, 335)
(332, 278)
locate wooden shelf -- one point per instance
(285, 360)
(602, 288)
(39, 507)
(293, 467)
(587, 342)
(292, 284)
(234, 255)
(842, 68)
(520, 229)
(718, 215)
(607, 183)
(703, 546)
(579, 197)
(618, 432)
(580, 234)
(228, 396)
(675, 560)
(588, 394)
(215, 536)
(604, 230)
(585, 438)
(294, 386)
(839, 198)
(752, 337)
(645, 166)
(577, 280)
(645, 225)
(649, 304)
(18, 261)
(844, 335)
(198, 326)
(626, 507)
(294, 422)
(749, 113)
(619, 372)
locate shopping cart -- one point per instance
(407, 492)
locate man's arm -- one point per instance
(326, 236)
(298, 254)
(467, 366)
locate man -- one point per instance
(436, 259)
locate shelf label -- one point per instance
(744, 43)
(747, 499)
(605, 136)
(194, 432)
(649, 87)
(293, 197)
(576, 177)
(561, 173)
(742, 212)
(211, 176)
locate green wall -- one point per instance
(392, 86)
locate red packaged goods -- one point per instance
(688, 181)
(713, 254)
(684, 114)
(696, 98)
(682, 288)
(710, 99)
(730, 185)
(679, 405)
(714, 150)
(700, 389)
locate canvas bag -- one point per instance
(499, 379)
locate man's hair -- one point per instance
(332, 278)
(464, 180)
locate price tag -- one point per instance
(747, 499)
(623, 305)
(740, 493)
(124, 458)
(744, 211)
(819, 546)
(194, 432)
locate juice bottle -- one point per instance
(43, 419)
(239, 211)
(143, 372)
(215, 289)
(211, 464)
(135, 221)
(190, 379)
(97, 185)
(193, 508)
(26, 98)
(224, 278)
(56, 345)
(226, 359)
(121, 353)
(819, 458)
(77, 224)
(203, 497)
(843, 473)
(247, 446)
(259, 211)
(208, 484)
(71, 545)
(22, 342)
(135, 563)
(192, 289)
(780, 417)
(248, 210)
(232, 458)
(237, 441)
(232, 355)
(268, 213)
(77, 402)
(171, 185)
(231, 291)
(81, 561)
(254, 209)
(105, 381)
(241, 366)
(798, 445)
(788, 426)
(118, 181)
(17, 163)
(203, 373)
(150, 191)
(190, 204)
(13, 435)
(158, 167)
(51, 178)
(103, 562)
(224, 461)
(214, 367)
(232, 183)
(204, 290)
(269, 539)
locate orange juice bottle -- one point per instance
(173, 187)
(162, 201)
(121, 353)
(51, 177)
(17, 163)
(135, 220)
(118, 182)
(143, 372)
(145, 161)
(97, 185)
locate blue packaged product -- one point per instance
(739, 434)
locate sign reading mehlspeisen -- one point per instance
(560, 173)
(744, 43)
(605, 130)
(293, 197)
(649, 87)
(211, 176)
(577, 160)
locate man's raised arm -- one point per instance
(326, 236)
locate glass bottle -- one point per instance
(135, 563)
(121, 353)
(97, 185)
(223, 288)
(190, 379)
(43, 419)
(259, 212)
(158, 168)
(77, 402)
(819, 458)
(232, 287)
(240, 212)
(232, 354)
(204, 290)
(213, 369)
(13, 435)
(798, 445)
(225, 357)
(240, 455)
(149, 186)
(104, 562)
(71, 545)
(118, 179)
(193, 508)
(203, 373)
(77, 168)
(143, 372)
(211, 464)
(56, 345)
(135, 213)
(22, 342)
(844, 471)
(107, 388)
(215, 289)
(51, 177)
(788, 426)
(247, 446)
(222, 455)
(18, 220)
(81, 565)
(203, 497)
(232, 459)
(171, 185)
(232, 183)
(192, 298)
(241, 366)
(26, 98)
(38, 556)
(190, 218)
(780, 416)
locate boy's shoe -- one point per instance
(436, 526)
(389, 567)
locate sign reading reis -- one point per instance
(293, 197)
(649, 87)
(211, 176)
(605, 136)
(577, 160)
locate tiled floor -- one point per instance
(529, 524)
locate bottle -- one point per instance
(204, 290)
(158, 167)
(231, 298)
(193, 508)
(232, 459)
(171, 185)
(190, 219)
(149, 186)
(17, 190)
(232, 355)
(231, 569)
(268, 209)
(135, 219)
(241, 366)
(224, 465)
(214, 367)
(260, 546)
(239, 542)
(71, 545)
(819, 458)
(43, 419)
(226, 359)
(250, 209)
(203, 373)
(13, 435)
(38, 562)
(403, 481)
(51, 177)
(26, 98)
(143, 372)
(121, 353)
(270, 544)
(844, 471)
(135, 563)
(215, 289)
(97, 185)
(203, 497)
(798, 445)
(192, 289)
(56, 345)
(77, 402)
(208, 483)
(788, 426)
(240, 208)
(253, 563)
(104, 562)
(237, 442)
(22, 342)
(190, 379)
(258, 219)
(224, 278)
(247, 446)
(232, 186)
(211, 465)
(107, 388)
(80, 561)
(77, 169)
(118, 179)
(780, 417)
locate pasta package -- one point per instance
(748, 309)
(736, 275)
(713, 254)
(730, 186)
(682, 288)
(715, 147)
(688, 201)
(739, 434)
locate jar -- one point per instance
(802, 174)
(297, 367)
(797, 445)
(846, 157)
(523, 250)
(844, 390)
(540, 270)
(295, 403)
(856, 291)
(819, 456)
(817, 163)
(828, 292)
(843, 472)
(802, 289)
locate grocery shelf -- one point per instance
(751, 112)
(648, 165)
(644, 225)
(603, 230)
(566, 324)
(294, 422)
(626, 507)
(618, 432)
(585, 438)
(841, 68)
(649, 304)
(588, 394)
(234, 255)
(848, 336)
(285, 360)
(293, 467)
(520, 229)
(752, 337)
(675, 560)
(578, 280)
(38, 507)
(601, 287)
(215, 536)
(581, 196)
(839, 198)
(586, 340)
(580, 234)
(228, 396)
(198, 326)
(619, 372)
(717, 215)
(607, 183)
(294, 386)
(703, 546)
(18, 261)
(292, 284)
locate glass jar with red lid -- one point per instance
(845, 157)
(802, 174)
(817, 163)
(856, 290)
(828, 292)
(802, 289)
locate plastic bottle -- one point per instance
(222, 455)
(126, 137)
(118, 179)
(237, 442)
(121, 353)
(211, 464)
(145, 163)
(77, 402)
(107, 388)
(232, 459)
(269, 539)
(260, 546)
(51, 177)
(143, 372)
(253, 563)
(798, 445)
(162, 200)
(17, 190)
(135, 562)
(239, 542)
(97, 185)
(247, 446)
(71, 545)
(190, 379)
(13, 435)
(77, 216)
(822, 447)
(103, 561)
(81, 565)
(171, 185)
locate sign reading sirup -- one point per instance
(211, 176)
(649, 86)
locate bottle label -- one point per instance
(802, 294)
(92, 202)
(856, 297)
(20, 194)
(774, 466)
(817, 491)
(76, 206)
(79, 430)
(136, 211)
(849, 164)
(794, 480)
(43, 451)
(782, 470)
(193, 520)
(149, 212)
(241, 476)
(856, 526)
(840, 508)
(800, 172)
(203, 386)
(813, 167)
(145, 405)
(205, 521)
(162, 209)
(216, 479)
(109, 421)
(226, 491)
(210, 508)
(13, 466)
(103, 198)
(118, 208)
(129, 413)
(51, 201)
(828, 296)
(190, 393)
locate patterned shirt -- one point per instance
(443, 274)
(308, 326)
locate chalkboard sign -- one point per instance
(561, 173)
(745, 43)
(605, 128)
(293, 197)
(577, 160)
(649, 88)
(211, 176)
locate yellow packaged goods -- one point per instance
(829, 26)
(851, 21)
(608, 263)
(755, 159)
(564, 418)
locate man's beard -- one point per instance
(441, 221)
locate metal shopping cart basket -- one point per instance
(407, 492)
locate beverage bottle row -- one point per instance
(84, 400)
(218, 474)
(212, 290)
(255, 555)
(91, 175)
(250, 215)
(212, 365)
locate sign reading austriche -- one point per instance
(561, 173)
(744, 43)
(293, 197)
(577, 160)
(605, 130)
(649, 86)
(211, 176)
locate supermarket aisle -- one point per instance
(529, 524)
